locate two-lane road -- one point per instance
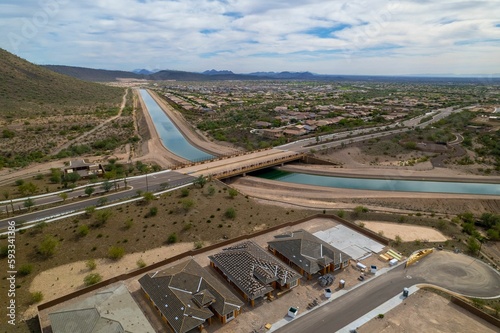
(455, 272)
(152, 183)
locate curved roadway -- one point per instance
(455, 272)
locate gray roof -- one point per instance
(183, 294)
(110, 311)
(252, 269)
(307, 251)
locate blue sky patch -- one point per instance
(235, 15)
(327, 32)
(208, 31)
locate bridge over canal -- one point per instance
(240, 165)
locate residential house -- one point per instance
(112, 310)
(262, 124)
(294, 131)
(272, 133)
(186, 296)
(84, 168)
(307, 253)
(253, 271)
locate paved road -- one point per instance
(456, 272)
(305, 145)
(153, 184)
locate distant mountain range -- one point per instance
(103, 75)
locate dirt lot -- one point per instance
(425, 311)
(407, 233)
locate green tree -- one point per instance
(72, 177)
(201, 181)
(28, 189)
(48, 246)
(28, 203)
(473, 245)
(63, 196)
(89, 190)
(185, 192)
(147, 197)
(106, 186)
(55, 176)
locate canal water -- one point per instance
(379, 184)
(170, 135)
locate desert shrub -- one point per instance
(185, 192)
(92, 278)
(83, 230)
(140, 263)
(230, 213)
(91, 264)
(172, 238)
(25, 269)
(152, 212)
(232, 192)
(36, 297)
(211, 190)
(48, 246)
(129, 223)
(116, 252)
(187, 204)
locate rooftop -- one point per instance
(183, 294)
(252, 268)
(307, 251)
(110, 311)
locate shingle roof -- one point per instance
(110, 311)
(307, 251)
(252, 269)
(183, 293)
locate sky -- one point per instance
(358, 37)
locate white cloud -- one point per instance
(358, 37)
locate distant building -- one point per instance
(187, 296)
(307, 253)
(262, 124)
(253, 271)
(84, 168)
(112, 310)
